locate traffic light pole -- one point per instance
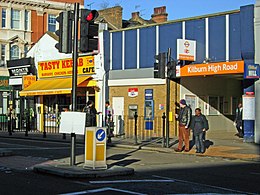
(168, 91)
(74, 78)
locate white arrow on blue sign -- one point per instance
(100, 135)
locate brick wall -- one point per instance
(112, 15)
(159, 96)
(69, 1)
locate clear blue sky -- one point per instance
(176, 9)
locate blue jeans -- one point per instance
(199, 142)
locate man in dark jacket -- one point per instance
(184, 119)
(199, 125)
(238, 120)
(91, 112)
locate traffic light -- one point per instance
(171, 70)
(88, 31)
(64, 32)
(159, 65)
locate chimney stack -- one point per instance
(135, 15)
(160, 14)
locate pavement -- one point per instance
(219, 144)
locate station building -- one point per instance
(222, 72)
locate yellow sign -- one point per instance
(28, 80)
(55, 68)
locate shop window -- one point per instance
(132, 109)
(15, 19)
(221, 105)
(235, 102)
(51, 23)
(3, 18)
(213, 105)
(201, 104)
(2, 54)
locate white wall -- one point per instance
(257, 61)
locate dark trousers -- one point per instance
(239, 126)
(184, 135)
(199, 142)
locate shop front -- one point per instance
(215, 88)
(54, 86)
(18, 69)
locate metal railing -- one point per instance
(3, 122)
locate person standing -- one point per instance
(199, 125)
(109, 121)
(11, 117)
(238, 120)
(184, 118)
(91, 114)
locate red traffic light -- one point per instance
(89, 15)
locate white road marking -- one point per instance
(253, 173)
(206, 185)
(132, 181)
(103, 190)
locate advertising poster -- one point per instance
(248, 107)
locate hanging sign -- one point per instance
(133, 92)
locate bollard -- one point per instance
(44, 133)
(136, 116)
(10, 127)
(64, 136)
(163, 130)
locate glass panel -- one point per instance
(191, 101)
(14, 52)
(26, 20)
(15, 19)
(3, 18)
(51, 23)
(213, 105)
(2, 54)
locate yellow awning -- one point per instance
(52, 86)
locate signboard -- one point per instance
(20, 67)
(28, 80)
(4, 83)
(235, 67)
(148, 94)
(133, 92)
(56, 68)
(248, 107)
(252, 71)
(100, 135)
(186, 50)
(73, 122)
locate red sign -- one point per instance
(133, 92)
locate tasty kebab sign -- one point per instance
(55, 68)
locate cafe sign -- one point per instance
(56, 68)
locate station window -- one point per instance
(213, 105)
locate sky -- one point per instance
(176, 9)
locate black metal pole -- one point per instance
(168, 101)
(74, 78)
(163, 130)
(136, 116)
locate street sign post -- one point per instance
(95, 148)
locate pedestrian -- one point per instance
(91, 112)
(238, 121)
(109, 121)
(184, 118)
(199, 125)
(11, 117)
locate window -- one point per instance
(26, 20)
(15, 19)
(3, 18)
(14, 52)
(26, 49)
(51, 23)
(191, 101)
(2, 54)
(213, 105)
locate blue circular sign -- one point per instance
(100, 135)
